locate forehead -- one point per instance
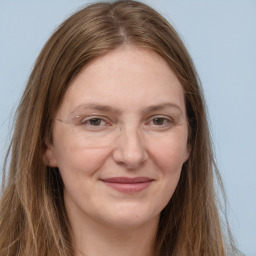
(125, 77)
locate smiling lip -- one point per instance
(128, 185)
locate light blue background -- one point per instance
(221, 37)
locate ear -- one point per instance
(187, 153)
(49, 156)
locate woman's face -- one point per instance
(120, 138)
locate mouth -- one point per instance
(128, 185)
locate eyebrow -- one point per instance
(162, 107)
(98, 107)
(106, 108)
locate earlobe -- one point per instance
(49, 156)
(187, 153)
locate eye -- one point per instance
(161, 122)
(95, 121)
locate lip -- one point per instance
(127, 184)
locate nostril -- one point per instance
(130, 151)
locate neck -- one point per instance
(97, 239)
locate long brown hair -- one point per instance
(33, 220)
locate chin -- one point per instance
(131, 217)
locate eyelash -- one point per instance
(84, 121)
(165, 122)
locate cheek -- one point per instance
(80, 160)
(73, 157)
(168, 158)
(170, 154)
(170, 163)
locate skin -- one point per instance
(133, 140)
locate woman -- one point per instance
(111, 152)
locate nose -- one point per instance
(129, 149)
